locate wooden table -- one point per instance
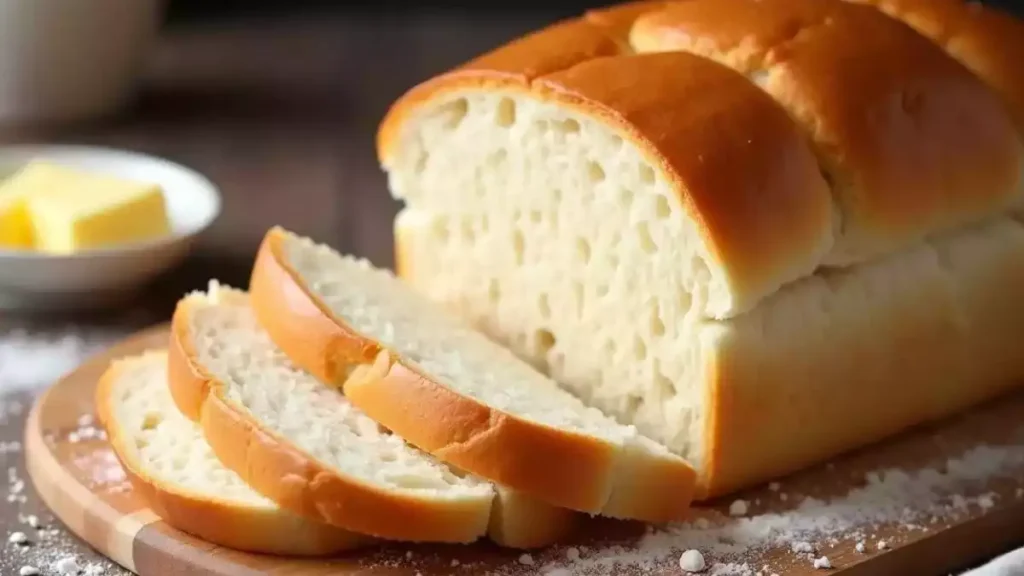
(281, 115)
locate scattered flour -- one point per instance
(33, 361)
(890, 497)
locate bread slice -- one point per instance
(448, 389)
(303, 445)
(172, 467)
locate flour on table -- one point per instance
(732, 546)
(34, 361)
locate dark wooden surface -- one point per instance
(280, 113)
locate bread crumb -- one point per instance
(986, 501)
(882, 545)
(822, 563)
(455, 562)
(408, 554)
(558, 572)
(774, 486)
(738, 508)
(1020, 493)
(783, 496)
(572, 553)
(28, 571)
(692, 561)
(526, 560)
(701, 524)
(860, 546)
(18, 538)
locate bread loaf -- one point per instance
(446, 388)
(764, 232)
(171, 465)
(304, 446)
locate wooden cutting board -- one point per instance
(78, 477)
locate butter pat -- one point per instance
(15, 224)
(71, 210)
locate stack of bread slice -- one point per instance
(333, 407)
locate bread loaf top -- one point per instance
(838, 135)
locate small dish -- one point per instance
(34, 281)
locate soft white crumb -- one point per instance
(701, 523)
(986, 501)
(692, 561)
(28, 571)
(738, 508)
(822, 563)
(558, 572)
(882, 545)
(408, 554)
(526, 560)
(774, 486)
(860, 547)
(572, 553)
(18, 538)
(455, 562)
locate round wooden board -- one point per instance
(78, 477)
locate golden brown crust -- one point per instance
(248, 528)
(298, 482)
(891, 115)
(558, 467)
(986, 40)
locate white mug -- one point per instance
(71, 60)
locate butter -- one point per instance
(15, 224)
(71, 210)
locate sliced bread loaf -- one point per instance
(448, 389)
(303, 445)
(171, 465)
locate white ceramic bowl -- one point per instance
(30, 280)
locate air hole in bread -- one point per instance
(505, 116)
(556, 195)
(454, 112)
(595, 173)
(494, 291)
(567, 126)
(150, 421)
(643, 233)
(657, 326)
(625, 197)
(544, 340)
(536, 216)
(663, 388)
(467, 231)
(577, 294)
(646, 174)
(639, 348)
(439, 229)
(609, 347)
(543, 306)
(497, 158)
(661, 207)
(421, 162)
(485, 223)
(583, 250)
(601, 290)
(518, 246)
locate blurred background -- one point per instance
(277, 101)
